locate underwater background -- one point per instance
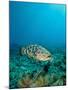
(42, 24)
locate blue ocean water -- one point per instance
(43, 24)
(40, 23)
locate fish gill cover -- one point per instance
(37, 44)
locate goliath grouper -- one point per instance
(36, 52)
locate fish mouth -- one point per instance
(49, 57)
(44, 58)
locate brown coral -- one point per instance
(25, 82)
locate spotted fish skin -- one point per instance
(36, 51)
(29, 49)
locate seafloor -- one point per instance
(25, 72)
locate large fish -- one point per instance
(36, 52)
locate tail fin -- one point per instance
(22, 51)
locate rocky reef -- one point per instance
(25, 72)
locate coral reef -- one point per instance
(25, 72)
